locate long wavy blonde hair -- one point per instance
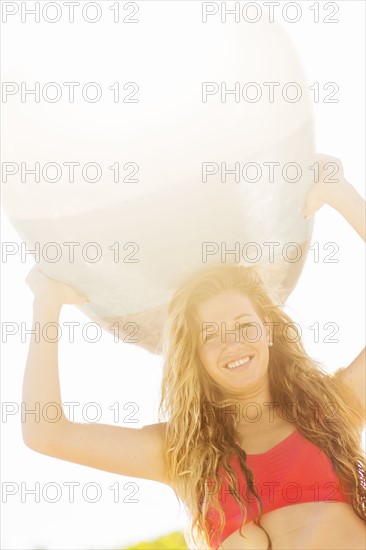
(197, 443)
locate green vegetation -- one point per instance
(174, 541)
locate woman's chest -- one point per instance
(293, 473)
(306, 526)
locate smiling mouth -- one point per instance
(239, 362)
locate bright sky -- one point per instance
(110, 373)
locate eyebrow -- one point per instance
(235, 319)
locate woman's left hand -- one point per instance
(327, 192)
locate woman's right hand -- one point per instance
(43, 287)
(331, 192)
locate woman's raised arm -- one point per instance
(126, 451)
(344, 198)
(41, 384)
(341, 195)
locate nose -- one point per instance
(232, 336)
(234, 348)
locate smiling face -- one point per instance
(232, 330)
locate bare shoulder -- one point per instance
(156, 431)
(354, 378)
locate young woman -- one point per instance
(260, 443)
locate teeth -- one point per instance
(239, 362)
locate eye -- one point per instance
(250, 332)
(245, 325)
(202, 339)
(214, 337)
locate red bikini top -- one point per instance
(293, 471)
